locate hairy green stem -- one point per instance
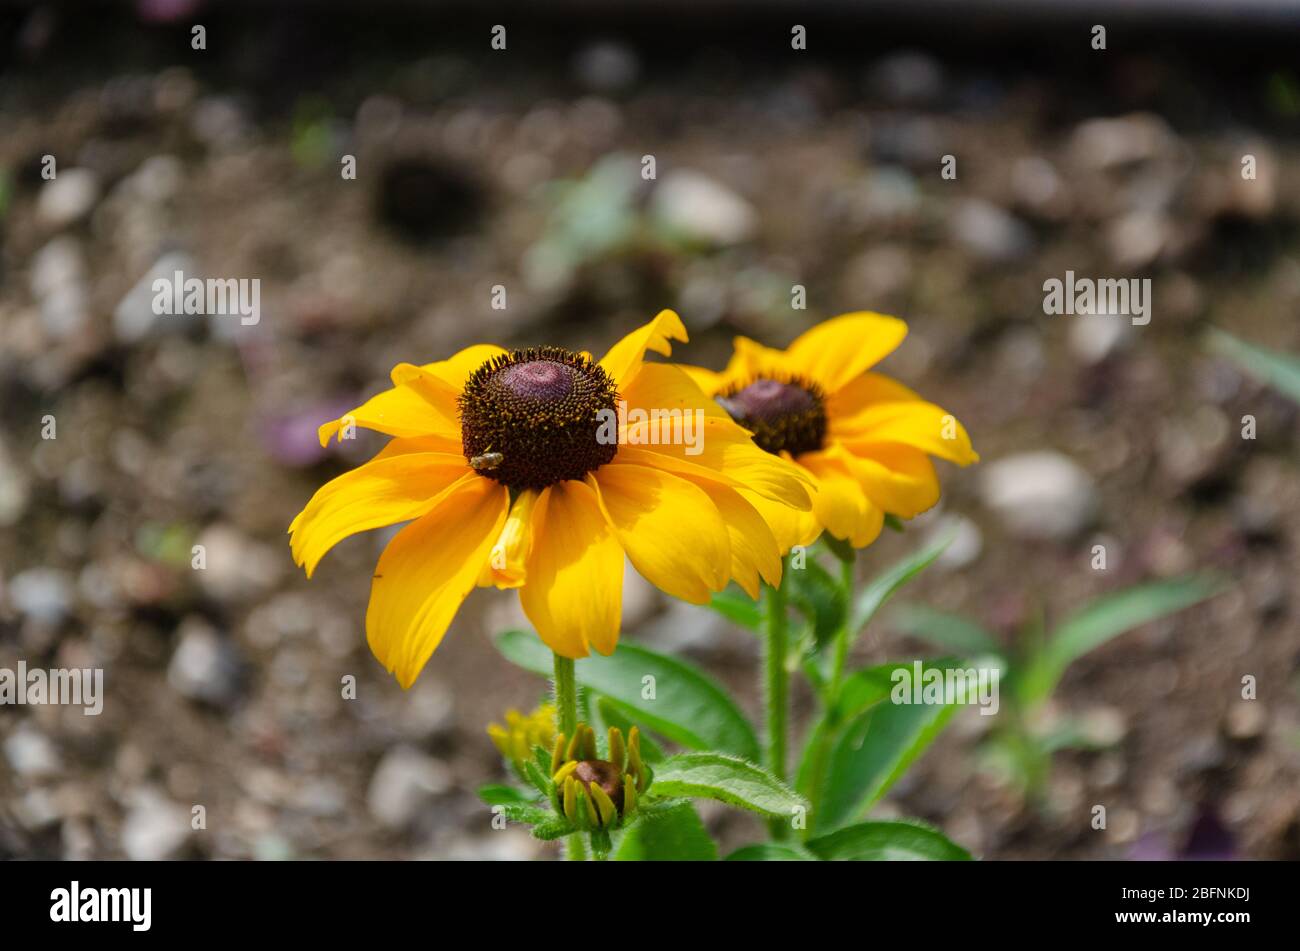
(566, 722)
(777, 686)
(822, 739)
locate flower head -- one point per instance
(522, 732)
(864, 440)
(512, 472)
(597, 793)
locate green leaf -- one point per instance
(1279, 370)
(553, 827)
(689, 708)
(820, 599)
(770, 852)
(874, 749)
(950, 632)
(497, 794)
(675, 834)
(1107, 618)
(887, 841)
(884, 585)
(727, 779)
(526, 813)
(738, 608)
(894, 523)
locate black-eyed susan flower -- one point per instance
(595, 793)
(539, 470)
(523, 731)
(862, 438)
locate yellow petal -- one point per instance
(727, 455)
(427, 570)
(898, 479)
(505, 566)
(624, 359)
(751, 360)
(398, 412)
(456, 369)
(670, 529)
(840, 503)
(841, 349)
(790, 526)
(382, 492)
(574, 589)
(754, 550)
(435, 442)
(875, 409)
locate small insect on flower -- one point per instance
(595, 793)
(498, 464)
(863, 440)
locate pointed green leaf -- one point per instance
(495, 794)
(727, 779)
(884, 585)
(887, 841)
(678, 702)
(738, 608)
(950, 632)
(1279, 370)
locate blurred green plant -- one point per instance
(1272, 367)
(1024, 738)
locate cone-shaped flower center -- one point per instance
(784, 416)
(531, 418)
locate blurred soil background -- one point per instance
(521, 168)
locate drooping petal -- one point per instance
(456, 369)
(840, 504)
(754, 550)
(711, 382)
(399, 411)
(750, 360)
(387, 490)
(624, 359)
(839, 350)
(875, 409)
(574, 589)
(898, 479)
(426, 572)
(790, 526)
(506, 564)
(670, 529)
(725, 453)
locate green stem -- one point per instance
(844, 634)
(777, 682)
(566, 721)
(821, 753)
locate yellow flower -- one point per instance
(522, 732)
(504, 465)
(864, 439)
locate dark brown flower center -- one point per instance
(531, 418)
(605, 775)
(784, 415)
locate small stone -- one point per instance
(1246, 720)
(14, 489)
(1039, 495)
(989, 232)
(67, 198)
(1093, 337)
(1137, 239)
(155, 829)
(967, 541)
(700, 209)
(1102, 144)
(30, 753)
(42, 594)
(405, 784)
(134, 318)
(59, 283)
(205, 666)
(237, 567)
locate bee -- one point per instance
(489, 460)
